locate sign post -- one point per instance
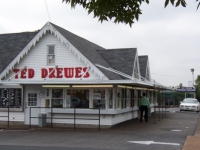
(187, 89)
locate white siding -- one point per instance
(13, 116)
(105, 120)
(118, 118)
(36, 59)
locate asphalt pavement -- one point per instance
(172, 130)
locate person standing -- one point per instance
(144, 104)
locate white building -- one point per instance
(57, 70)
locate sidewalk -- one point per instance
(192, 142)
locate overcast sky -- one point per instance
(170, 36)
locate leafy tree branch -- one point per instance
(121, 11)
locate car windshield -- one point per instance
(189, 101)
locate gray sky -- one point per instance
(170, 36)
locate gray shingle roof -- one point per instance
(11, 45)
(120, 59)
(89, 50)
(143, 65)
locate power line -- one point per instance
(47, 10)
(171, 75)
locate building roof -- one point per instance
(143, 65)
(89, 50)
(120, 59)
(11, 45)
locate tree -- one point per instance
(197, 86)
(180, 85)
(197, 81)
(122, 11)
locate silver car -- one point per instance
(191, 104)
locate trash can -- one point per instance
(149, 111)
(42, 120)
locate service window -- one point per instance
(57, 98)
(132, 97)
(110, 98)
(118, 102)
(77, 98)
(99, 98)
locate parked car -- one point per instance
(191, 104)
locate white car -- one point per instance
(191, 104)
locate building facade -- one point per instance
(52, 71)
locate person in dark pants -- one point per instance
(144, 104)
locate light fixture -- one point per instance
(54, 86)
(129, 87)
(192, 70)
(140, 88)
(121, 86)
(150, 89)
(137, 88)
(90, 86)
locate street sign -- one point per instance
(186, 89)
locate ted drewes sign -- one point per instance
(186, 89)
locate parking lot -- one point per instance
(168, 132)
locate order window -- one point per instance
(57, 98)
(99, 98)
(77, 98)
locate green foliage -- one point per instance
(178, 2)
(197, 86)
(197, 81)
(121, 11)
(180, 85)
(198, 92)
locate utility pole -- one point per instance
(192, 70)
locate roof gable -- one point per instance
(11, 45)
(120, 59)
(89, 50)
(67, 67)
(83, 49)
(136, 69)
(144, 67)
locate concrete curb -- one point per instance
(192, 142)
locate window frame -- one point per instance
(57, 98)
(71, 95)
(15, 109)
(99, 102)
(32, 99)
(48, 55)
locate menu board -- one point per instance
(10, 97)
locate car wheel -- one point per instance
(197, 110)
(181, 110)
